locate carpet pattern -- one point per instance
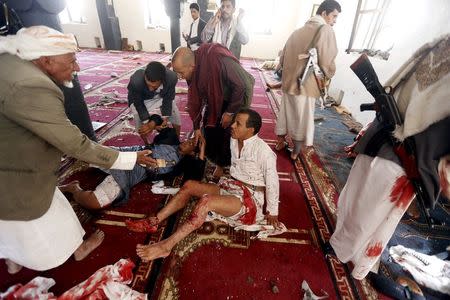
(327, 168)
(216, 261)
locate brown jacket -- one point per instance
(298, 43)
(34, 134)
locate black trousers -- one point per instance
(76, 109)
(218, 145)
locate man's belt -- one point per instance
(254, 188)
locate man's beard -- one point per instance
(69, 83)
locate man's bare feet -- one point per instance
(13, 268)
(218, 172)
(88, 245)
(149, 225)
(71, 187)
(153, 251)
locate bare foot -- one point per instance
(218, 172)
(149, 225)
(152, 251)
(71, 187)
(88, 245)
(13, 268)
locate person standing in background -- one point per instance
(193, 39)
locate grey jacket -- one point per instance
(34, 134)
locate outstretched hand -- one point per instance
(144, 158)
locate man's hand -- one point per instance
(144, 158)
(146, 128)
(273, 220)
(202, 146)
(217, 17)
(197, 135)
(226, 120)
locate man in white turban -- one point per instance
(39, 229)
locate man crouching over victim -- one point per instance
(238, 200)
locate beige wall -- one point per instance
(422, 20)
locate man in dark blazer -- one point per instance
(153, 91)
(193, 39)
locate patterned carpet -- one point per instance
(327, 168)
(215, 261)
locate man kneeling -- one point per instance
(239, 199)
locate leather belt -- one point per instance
(251, 186)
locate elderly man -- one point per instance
(237, 200)
(379, 188)
(218, 83)
(296, 116)
(39, 228)
(226, 29)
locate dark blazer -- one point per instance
(198, 39)
(138, 92)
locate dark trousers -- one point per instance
(76, 109)
(218, 145)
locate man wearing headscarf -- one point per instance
(45, 12)
(39, 228)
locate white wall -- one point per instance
(419, 22)
(86, 33)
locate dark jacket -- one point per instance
(138, 92)
(198, 39)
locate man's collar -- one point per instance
(250, 139)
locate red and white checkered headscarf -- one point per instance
(37, 41)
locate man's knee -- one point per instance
(189, 186)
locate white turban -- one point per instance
(36, 41)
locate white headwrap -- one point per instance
(36, 41)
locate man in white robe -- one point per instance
(378, 190)
(296, 116)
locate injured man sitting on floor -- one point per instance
(169, 156)
(237, 200)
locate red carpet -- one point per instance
(217, 262)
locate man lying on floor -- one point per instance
(238, 200)
(168, 154)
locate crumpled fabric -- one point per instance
(36, 41)
(159, 188)
(108, 282)
(430, 271)
(264, 229)
(309, 294)
(35, 289)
